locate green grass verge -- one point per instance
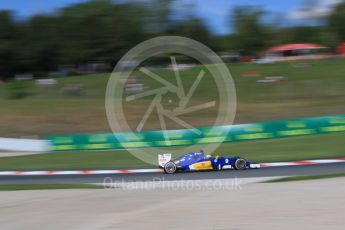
(309, 177)
(282, 149)
(17, 187)
(317, 90)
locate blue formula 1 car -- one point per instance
(198, 161)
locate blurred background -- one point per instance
(286, 58)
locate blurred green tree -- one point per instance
(249, 32)
(99, 30)
(336, 21)
(8, 32)
(196, 29)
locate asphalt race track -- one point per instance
(263, 172)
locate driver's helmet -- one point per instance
(208, 156)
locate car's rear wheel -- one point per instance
(240, 164)
(170, 167)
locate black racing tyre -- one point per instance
(170, 167)
(240, 164)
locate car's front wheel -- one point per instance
(170, 167)
(240, 164)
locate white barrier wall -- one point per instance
(25, 145)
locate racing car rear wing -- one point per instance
(163, 159)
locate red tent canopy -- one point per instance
(287, 47)
(341, 49)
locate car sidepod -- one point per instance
(201, 165)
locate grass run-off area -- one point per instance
(281, 149)
(316, 89)
(308, 177)
(18, 187)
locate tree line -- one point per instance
(104, 30)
